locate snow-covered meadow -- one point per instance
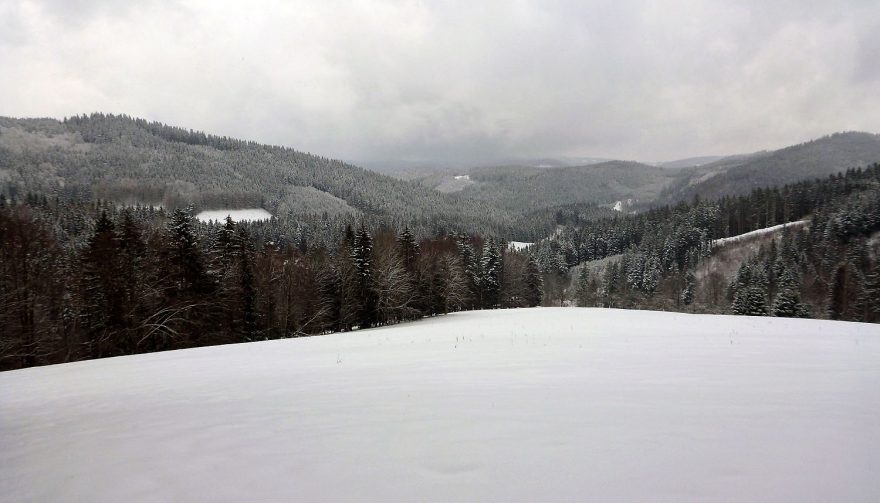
(546, 404)
(519, 245)
(244, 215)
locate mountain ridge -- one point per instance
(132, 160)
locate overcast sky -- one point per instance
(447, 80)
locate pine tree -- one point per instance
(409, 249)
(362, 257)
(188, 270)
(787, 302)
(750, 290)
(687, 294)
(533, 284)
(225, 248)
(247, 290)
(471, 270)
(750, 301)
(102, 309)
(490, 274)
(136, 296)
(191, 288)
(651, 275)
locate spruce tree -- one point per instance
(135, 293)
(750, 290)
(534, 291)
(186, 257)
(787, 302)
(409, 249)
(471, 270)
(490, 274)
(247, 328)
(102, 290)
(687, 294)
(362, 257)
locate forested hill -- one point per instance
(524, 189)
(129, 160)
(737, 175)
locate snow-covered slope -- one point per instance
(245, 215)
(519, 245)
(523, 405)
(760, 232)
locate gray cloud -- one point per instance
(456, 80)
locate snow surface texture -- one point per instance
(247, 215)
(760, 232)
(545, 404)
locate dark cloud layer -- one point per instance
(456, 80)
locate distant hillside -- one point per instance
(436, 170)
(132, 160)
(691, 161)
(520, 189)
(129, 160)
(740, 174)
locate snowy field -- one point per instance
(519, 245)
(245, 215)
(545, 404)
(760, 232)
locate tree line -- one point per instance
(92, 280)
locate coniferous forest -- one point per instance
(96, 280)
(89, 280)
(668, 258)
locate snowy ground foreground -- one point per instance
(246, 215)
(766, 230)
(542, 404)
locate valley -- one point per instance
(430, 251)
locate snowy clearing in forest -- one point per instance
(544, 404)
(759, 232)
(519, 245)
(245, 215)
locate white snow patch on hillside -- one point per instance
(515, 405)
(759, 232)
(462, 177)
(619, 205)
(245, 215)
(519, 245)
